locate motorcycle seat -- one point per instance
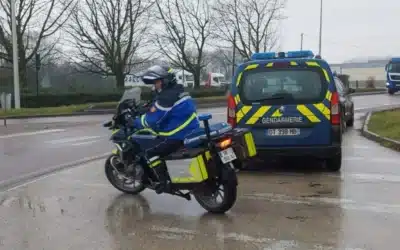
(199, 135)
(204, 117)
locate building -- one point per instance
(361, 71)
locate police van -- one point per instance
(290, 103)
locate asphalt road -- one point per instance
(293, 207)
(32, 145)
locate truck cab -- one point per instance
(215, 80)
(185, 78)
(393, 75)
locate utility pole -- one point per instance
(37, 66)
(301, 41)
(234, 53)
(320, 30)
(15, 56)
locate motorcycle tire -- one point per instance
(112, 179)
(229, 185)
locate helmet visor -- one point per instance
(149, 79)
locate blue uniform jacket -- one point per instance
(172, 115)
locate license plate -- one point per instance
(283, 132)
(227, 155)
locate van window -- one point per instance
(339, 86)
(283, 86)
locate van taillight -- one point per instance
(231, 110)
(335, 109)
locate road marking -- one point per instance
(377, 107)
(377, 160)
(40, 132)
(357, 147)
(85, 143)
(374, 177)
(175, 233)
(73, 139)
(339, 202)
(219, 113)
(78, 163)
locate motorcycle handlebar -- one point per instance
(127, 114)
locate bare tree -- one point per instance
(254, 22)
(109, 34)
(187, 28)
(37, 21)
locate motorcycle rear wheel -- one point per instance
(209, 201)
(116, 182)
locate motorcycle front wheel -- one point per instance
(222, 197)
(126, 184)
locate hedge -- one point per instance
(56, 100)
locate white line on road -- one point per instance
(48, 131)
(85, 143)
(77, 163)
(357, 147)
(219, 113)
(339, 202)
(377, 107)
(374, 177)
(175, 233)
(373, 159)
(73, 139)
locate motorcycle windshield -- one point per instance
(132, 94)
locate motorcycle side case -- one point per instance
(243, 143)
(197, 168)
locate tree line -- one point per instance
(112, 37)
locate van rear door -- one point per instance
(285, 106)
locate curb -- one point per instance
(211, 104)
(14, 183)
(377, 138)
(380, 92)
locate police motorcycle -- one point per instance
(211, 153)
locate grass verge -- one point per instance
(63, 110)
(386, 124)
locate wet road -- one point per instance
(276, 209)
(34, 145)
(64, 142)
(291, 207)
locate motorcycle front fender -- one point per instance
(228, 174)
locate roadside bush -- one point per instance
(56, 100)
(370, 83)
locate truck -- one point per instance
(184, 77)
(392, 69)
(215, 80)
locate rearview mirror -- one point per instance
(107, 124)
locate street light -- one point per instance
(15, 56)
(320, 29)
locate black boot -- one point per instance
(161, 172)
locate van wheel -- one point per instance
(335, 163)
(350, 122)
(390, 91)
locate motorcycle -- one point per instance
(213, 151)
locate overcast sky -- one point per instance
(351, 28)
